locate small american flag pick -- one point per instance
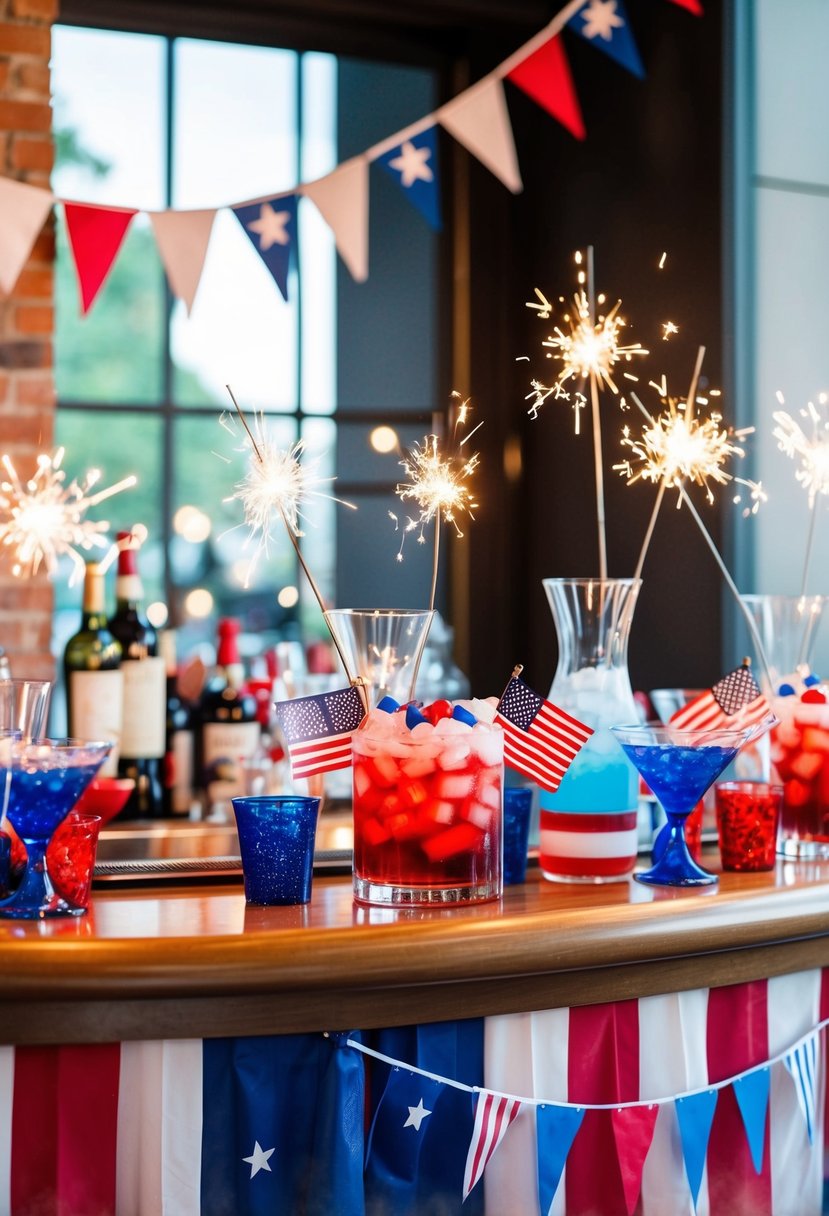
(318, 730)
(733, 703)
(540, 740)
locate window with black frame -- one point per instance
(150, 122)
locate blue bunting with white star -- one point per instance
(414, 166)
(271, 228)
(282, 1127)
(605, 25)
(409, 1172)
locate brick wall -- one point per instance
(27, 391)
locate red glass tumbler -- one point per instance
(748, 816)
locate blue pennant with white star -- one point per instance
(271, 228)
(414, 166)
(604, 24)
(409, 1172)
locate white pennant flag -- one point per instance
(479, 119)
(23, 212)
(182, 238)
(802, 1064)
(493, 1116)
(342, 200)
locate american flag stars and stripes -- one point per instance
(734, 703)
(318, 730)
(540, 740)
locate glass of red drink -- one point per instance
(800, 763)
(427, 811)
(748, 814)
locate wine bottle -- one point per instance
(92, 673)
(228, 726)
(177, 780)
(145, 689)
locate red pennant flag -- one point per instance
(693, 6)
(545, 76)
(633, 1128)
(95, 236)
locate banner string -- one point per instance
(649, 1102)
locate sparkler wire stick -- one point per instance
(810, 539)
(597, 427)
(732, 586)
(301, 558)
(692, 392)
(663, 485)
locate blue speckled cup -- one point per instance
(276, 840)
(517, 806)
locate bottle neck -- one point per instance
(129, 592)
(93, 612)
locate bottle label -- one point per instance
(225, 745)
(96, 700)
(178, 776)
(145, 700)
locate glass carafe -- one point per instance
(588, 827)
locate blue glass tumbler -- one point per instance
(276, 841)
(517, 806)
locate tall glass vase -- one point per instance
(382, 646)
(588, 827)
(788, 627)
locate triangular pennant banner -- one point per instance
(493, 1116)
(414, 166)
(24, 210)
(95, 236)
(604, 24)
(752, 1094)
(342, 200)
(182, 238)
(695, 1114)
(693, 6)
(633, 1131)
(556, 1128)
(802, 1064)
(479, 120)
(545, 76)
(271, 228)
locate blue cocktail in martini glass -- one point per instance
(678, 766)
(43, 780)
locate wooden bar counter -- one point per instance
(195, 962)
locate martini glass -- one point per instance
(44, 778)
(678, 766)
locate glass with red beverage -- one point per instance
(427, 810)
(800, 763)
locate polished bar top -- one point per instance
(335, 963)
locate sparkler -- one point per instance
(812, 451)
(678, 447)
(710, 453)
(276, 482)
(589, 348)
(438, 484)
(46, 517)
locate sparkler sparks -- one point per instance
(46, 517)
(586, 348)
(277, 483)
(812, 450)
(437, 484)
(674, 448)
